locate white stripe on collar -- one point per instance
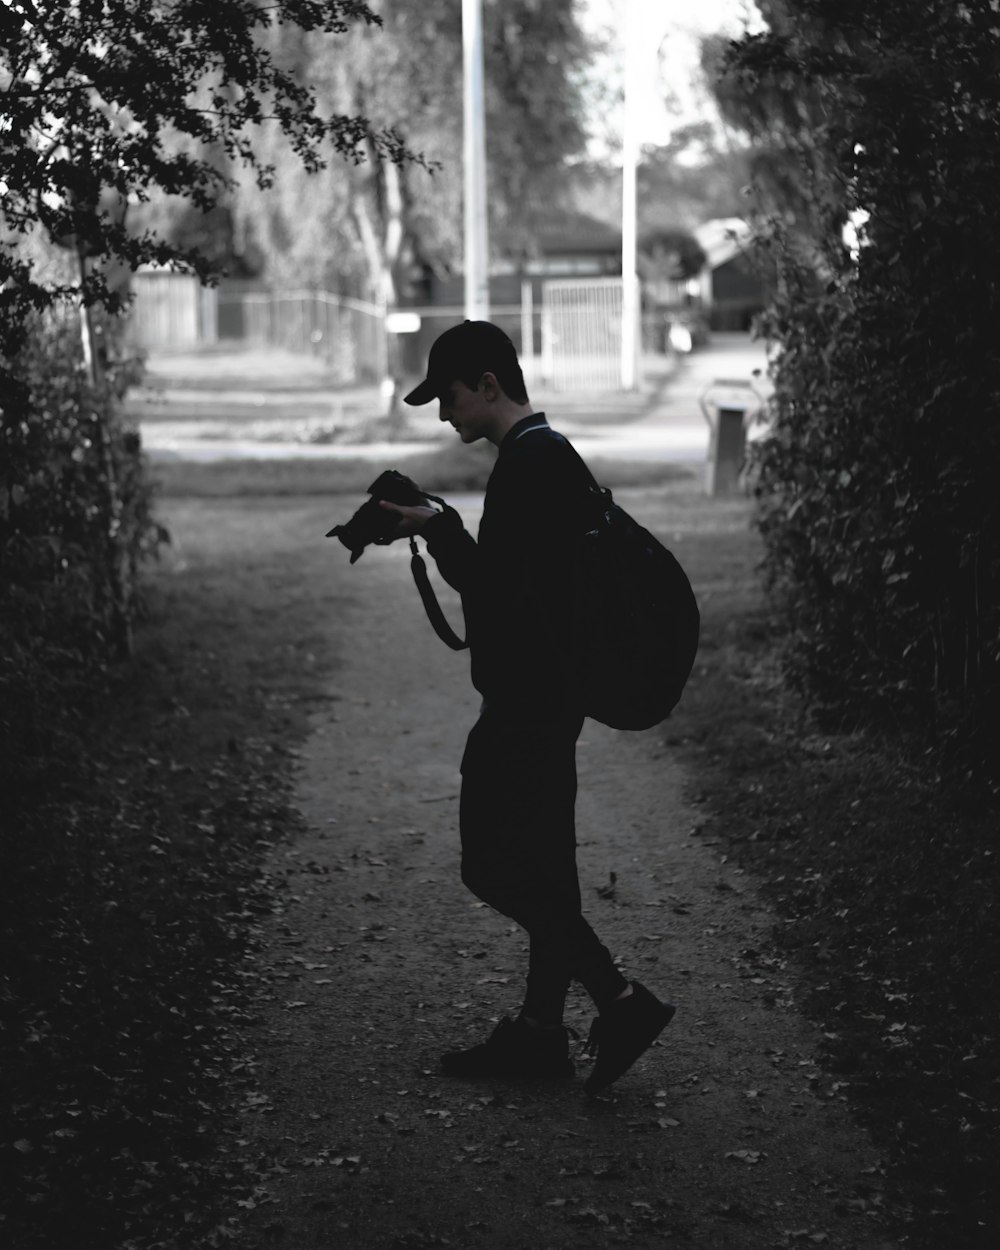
(543, 425)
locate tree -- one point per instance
(781, 117)
(694, 178)
(366, 230)
(878, 500)
(366, 226)
(107, 103)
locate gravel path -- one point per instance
(726, 1134)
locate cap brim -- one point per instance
(425, 393)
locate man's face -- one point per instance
(467, 410)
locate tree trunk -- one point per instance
(118, 589)
(379, 221)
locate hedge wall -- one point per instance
(879, 490)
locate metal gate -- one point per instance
(582, 334)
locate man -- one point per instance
(519, 767)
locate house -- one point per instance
(563, 245)
(730, 289)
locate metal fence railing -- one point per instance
(569, 339)
(349, 334)
(581, 334)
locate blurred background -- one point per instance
(362, 265)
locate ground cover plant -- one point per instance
(444, 468)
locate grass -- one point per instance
(453, 467)
(132, 885)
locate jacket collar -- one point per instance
(536, 421)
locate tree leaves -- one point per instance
(877, 490)
(138, 98)
(360, 227)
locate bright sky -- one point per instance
(666, 56)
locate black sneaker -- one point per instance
(515, 1051)
(622, 1032)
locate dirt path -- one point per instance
(724, 1135)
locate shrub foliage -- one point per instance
(107, 106)
(878, 489)
(75, 522)
(74, 510)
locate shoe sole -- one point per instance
(593, 1087)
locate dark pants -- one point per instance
(519, 853)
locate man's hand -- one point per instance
(411, 520)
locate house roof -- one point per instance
(560, 233)
(723, 238)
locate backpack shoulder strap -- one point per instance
(597, 490)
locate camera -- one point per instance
(372, 524)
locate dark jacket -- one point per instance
(515, 582)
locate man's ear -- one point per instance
(489, 385)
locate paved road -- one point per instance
(275, 406)
(674, 428)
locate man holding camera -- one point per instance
(519, 767)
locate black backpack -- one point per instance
(635, 618)
(635, 621)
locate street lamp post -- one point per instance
(477, 290)
(630, 159)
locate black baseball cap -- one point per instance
(465, 352)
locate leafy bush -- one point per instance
(74, 523)
(878, 489)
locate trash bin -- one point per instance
(728, 405)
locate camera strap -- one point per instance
(431, 606)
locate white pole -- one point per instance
(527, 331)
(477, 290)
(630, 157)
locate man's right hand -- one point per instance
(411, 520)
